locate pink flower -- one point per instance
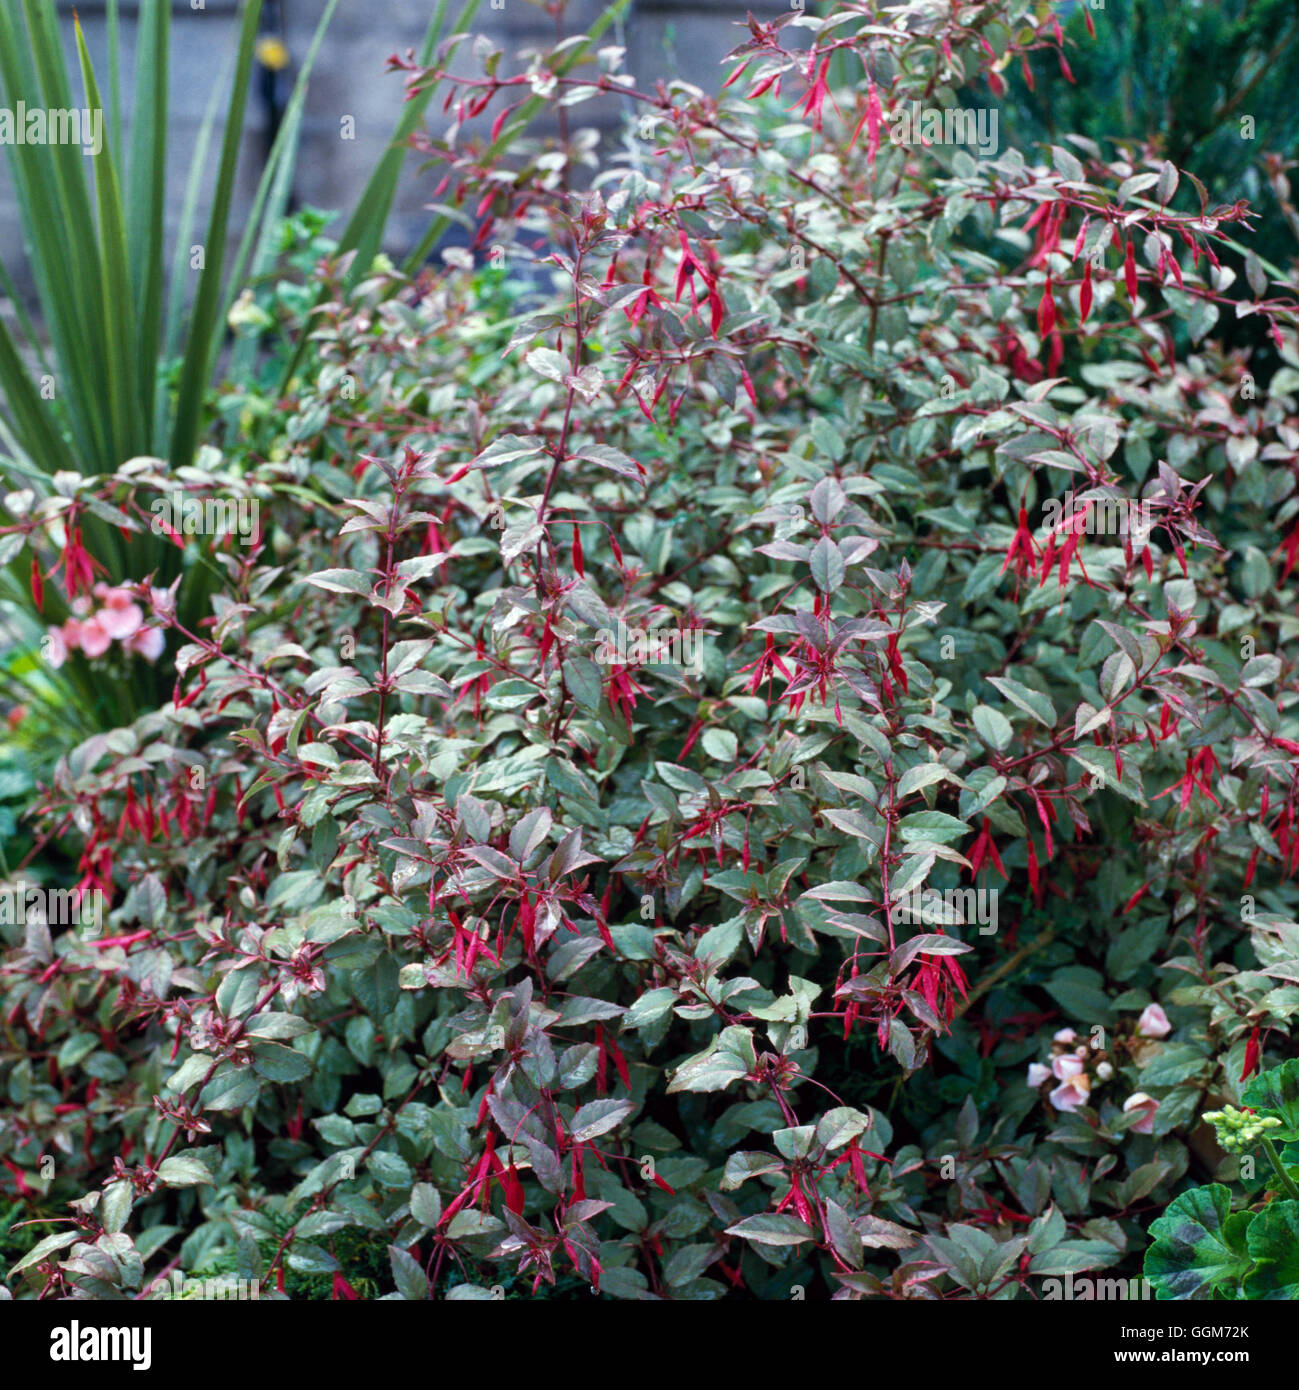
(149, 642)
(58, 652)
(1037, 1074)
(1066, 1067)
(1072, 1093)
(1138, 1100)
(94, 639)
(120, 617)
(163, 601)
(1066, 1035)
(1153, 1023)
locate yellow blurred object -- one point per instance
(272, 53)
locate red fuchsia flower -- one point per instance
(1199, 766)
(1291, 547)
(1139, 1100)
(635, 311)
(871, 118)
(609, 1051)
(1046, 814)
(1035, 883)
(1054, 353)
(1048, 218)
(512, 1188)
(469, 945)
(938, 979)
(1073, 527)
(1046, 311)
(798, 1199)
(817, 92)
(342, 1289)
(852, 1155)
(78, 566)
(1130, 270)
(1010, 352)
(479, 1179)
(1168, 722)
(769, 83)
(1085, 293)
(1283, 833)
(96, 866)
(1135, 899)
(766, 666)
(478, 686)
(985, 848)
(1251, 1056)
(1021, 553)
(623, 692)
(897, 671)
(693, 264)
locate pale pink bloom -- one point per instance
(1153, 1022)
(1072, 1093)
(58, 648)
(1104, 1070)
(1138, 1100)
(94, 639)
(1066, 1035)
(163, 602)
(1037, 1074)
(71, 633)
(81, 606)
(120, 617)
(1066, 1067)
(149, 642)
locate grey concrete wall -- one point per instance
(664, 38)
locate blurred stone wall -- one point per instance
(663, 38)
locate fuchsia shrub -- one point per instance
(766, 763)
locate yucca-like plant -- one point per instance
(121, 358)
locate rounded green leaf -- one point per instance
(1198, 1245)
